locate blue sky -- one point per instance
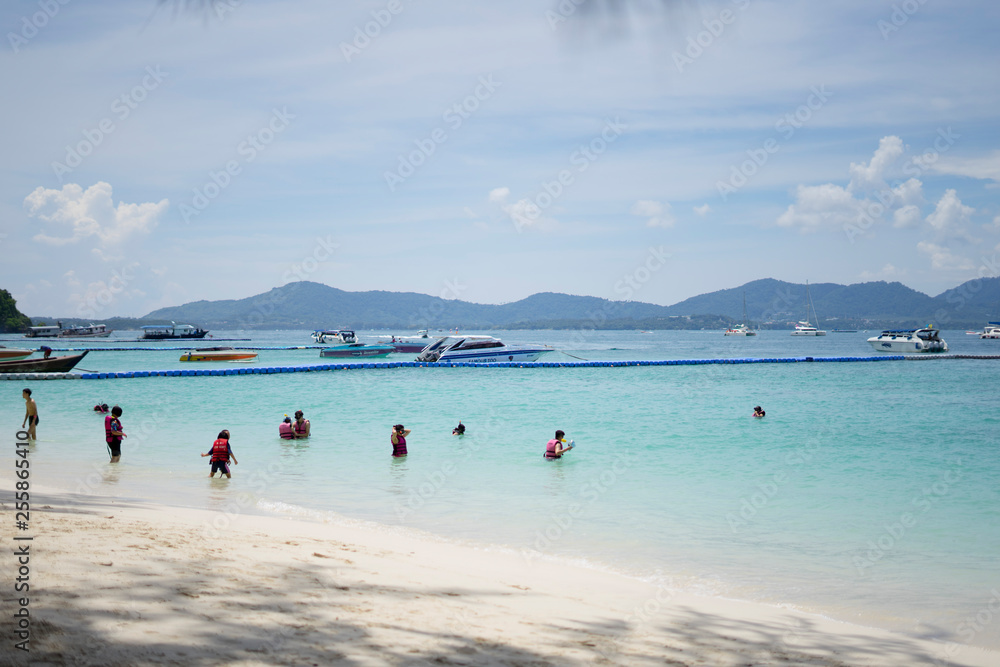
(488, 151)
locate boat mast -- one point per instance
(809, 299)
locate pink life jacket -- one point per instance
(111, 424)
(550, 449)
(399, 449)
(300, 427)
(285, 430)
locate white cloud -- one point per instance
(950, 214)
(871, 176)
(658, 213)
(499, 195)
(887, 271)
(71, 279)
(986, 167)
(703, 210)
(944, 259)
(90, 212)
(906, 217)
(818, 205)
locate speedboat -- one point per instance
(357, 350)
(218, 354)
(479, 350)
(167, 332)
(11, 353)
(50, 365)
(992, 330)
(91, 331)
(414, 343)
(342, 336)
(904, 341)
(806, 329)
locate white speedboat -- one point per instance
(335, 336)
(479, 350)
(992, 330)
(908, 341)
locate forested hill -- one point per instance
(770, 302)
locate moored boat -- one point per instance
(357, 350)
(341, 336)
(805, 328)
(171, 331)
(50, 365)
(218, 354)
(11, 353)
(992, 330)
(414, 343)
(744, 328)
(479, 350)
(90, 331)
(44, 331)
(908, 341)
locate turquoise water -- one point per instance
(870, 492)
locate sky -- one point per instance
(157, 153)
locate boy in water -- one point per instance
(30, 413)
(221, 452)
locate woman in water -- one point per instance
(398, 439)
(758, 412)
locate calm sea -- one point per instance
(869, 493)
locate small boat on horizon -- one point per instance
(991, 330)
(804, 328)
(89, 331)
(744, 328)
(218, 354)
(906, 341)
(50, 365)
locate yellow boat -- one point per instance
(218, 354)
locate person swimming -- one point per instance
(458, 430)
(101, 408)
(758, 412)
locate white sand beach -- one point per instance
(117, 583)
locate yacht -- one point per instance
(804, 328)
(992, 330)
(415, 343)
(479, 350)
(744, 328)
(904, 341)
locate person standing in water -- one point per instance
(221, 452)
(398, 439)
(30, 413)
(300, 425)
(113, 433)
(557, 446)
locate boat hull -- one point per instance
(50, 365)
(493, 356)
(808, 333)
(358, 350)
(219, 356)
(901, 346)
(173, 336)
(12, 353)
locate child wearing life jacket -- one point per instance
(285, 429)
(113, 433)
(221, 452)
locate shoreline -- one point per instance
(142, 583)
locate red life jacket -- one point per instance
(300, 427)
(550, 449)
(220, 451)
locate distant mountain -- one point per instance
(773, 302)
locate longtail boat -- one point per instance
(50, 365)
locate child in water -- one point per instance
(221, 452)
(757, 412)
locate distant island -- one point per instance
(771, 304)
